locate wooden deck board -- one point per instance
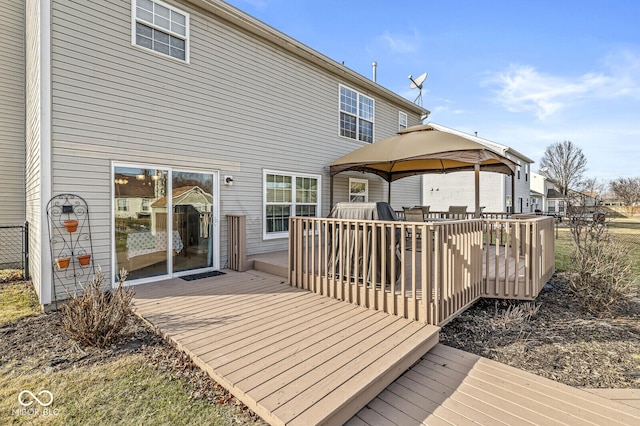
(465, 384)
(627, 396)
(544, 389)
(281, 350)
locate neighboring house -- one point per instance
(181, 93)
(559, 204)
(132, 196)
(442, 191)
(556, 202)
(538, 191)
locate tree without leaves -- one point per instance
(593, 187)
(627, 190)
(564, 164)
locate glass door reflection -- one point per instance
(192, 207)
(141, 237)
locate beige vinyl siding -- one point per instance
(33, 178)
(12, 145)
(242, 105)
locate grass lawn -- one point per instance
(626, 231)
(17, 299)
(124, 389)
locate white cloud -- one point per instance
(400, 43)
(624, 66)
(523, 88)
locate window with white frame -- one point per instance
(123, 205)
(145, 204)
(402, 120)
(161, 28)
(287, 195)
(356, 115)
(358, 190)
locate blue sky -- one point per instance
(522, 73)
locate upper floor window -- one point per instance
(356, 115)
(402, 120)
(161, 28)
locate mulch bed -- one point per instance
(40, 343)
(561, 341)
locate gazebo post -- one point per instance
(330, 192)
(476, 169)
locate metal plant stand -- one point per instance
(72, 260)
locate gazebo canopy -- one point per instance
(420, 150)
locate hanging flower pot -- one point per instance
(84, 259)
(71, 225)
(63, 262)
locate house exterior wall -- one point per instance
(240, 106)
(522, 199)
(443, 190)
(458, 189)
(37, 142)
(12, 149)
(538, 185)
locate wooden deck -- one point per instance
(452, 387)
(292, 356)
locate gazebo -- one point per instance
(421, 150)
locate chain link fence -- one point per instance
(14, 248)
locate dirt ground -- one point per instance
(40, 343)
(560, 341)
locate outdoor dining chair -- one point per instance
(457, 212)
(425, 211)
(413, 214)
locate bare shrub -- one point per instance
(96, 316)
(517, 313)
(600, 274)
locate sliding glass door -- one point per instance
(163, 221)
(192, 203)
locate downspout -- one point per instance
(513, 194)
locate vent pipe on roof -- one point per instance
(374, 65)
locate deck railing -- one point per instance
(389, 266)
(436, 214)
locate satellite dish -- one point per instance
(417, 84)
